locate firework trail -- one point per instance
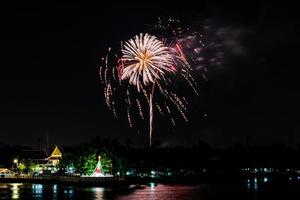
(145, 69)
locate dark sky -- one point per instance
(50, 53)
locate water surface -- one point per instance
(249, 190)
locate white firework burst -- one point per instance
(145, 59)
(148, 64)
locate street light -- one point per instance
(15, 166)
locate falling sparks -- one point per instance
(140, 108)
(159, 109)
(129, 118)
(114, 109)
(172, 120)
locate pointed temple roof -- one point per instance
(56, 152)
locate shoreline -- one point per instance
(102, 181)
(127, 181)
(89, 181)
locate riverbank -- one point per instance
(107, 181)
(91, 181)
(118, 181)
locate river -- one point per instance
(245, 191)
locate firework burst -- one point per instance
(143, 72)
(145, 59)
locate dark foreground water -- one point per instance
(243, 191)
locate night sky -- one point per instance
(50, 56)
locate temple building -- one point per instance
(55, 157)
(45, 163)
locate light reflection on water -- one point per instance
(68, 192)
(98, 193)
(37, 191)
(15, 190)
(54, 191)
(160, 191)
(255, 183)
(146, 192)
